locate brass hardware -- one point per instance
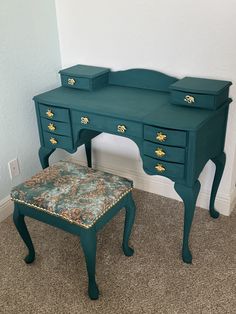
(161, 137)
(71, 81)
(121, 128)
(160, 168)
(160, 152)
(49, 113)
(189, 99)
(51, 127)
(53, 141)
(84, 120)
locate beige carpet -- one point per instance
(154, 280)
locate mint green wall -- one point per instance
(29, 62)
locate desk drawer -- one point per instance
(54, 113)
(108, 124)
(165, 136)
(76, 82)
(56, 127)
(163, 152)
(160, 167)
(57, 141)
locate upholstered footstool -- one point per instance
(77, 199)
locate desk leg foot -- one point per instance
(189, 196)
(129, 221)
(24, 233)
(219, 162)
(88, 150)
(89, 244)
(44, 154)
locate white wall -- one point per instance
(188, 37)
(29, 62)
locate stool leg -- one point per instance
(88, 241)
(23, 231)
(129, 221)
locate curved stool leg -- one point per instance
(219, 162)
(24, 233)
(129, 221)
(89, 244)
(189, 196)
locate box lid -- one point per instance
(200, 85)
(87, 71)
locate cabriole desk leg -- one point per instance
(44, 154)
(189, 196)
(219, 162)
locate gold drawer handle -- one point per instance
(51, 127)
(160, 152)
(160, 168)
(189, 99)
(84, 120)
(161, 137)
(121, 128)
(71, 81)
(49, 113)
(53, 141)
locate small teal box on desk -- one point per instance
(199, 93)
(84, 77)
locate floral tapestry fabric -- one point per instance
(76, 193)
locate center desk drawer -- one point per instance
(165, 136)
(163, 152)
(54, 113)
(107, 124)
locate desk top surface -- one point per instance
(136, 104)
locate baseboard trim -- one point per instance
(158, 185)
(6, 208)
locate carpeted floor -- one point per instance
(154, 280)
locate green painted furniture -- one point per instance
(174, 141)
(77, 199)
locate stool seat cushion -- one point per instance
(76, 193)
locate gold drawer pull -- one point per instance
(160, 152)
(161, 137)
(71, 81)
(51, 127)
(160, 168)
(84, 120)
(121, 128)
(49, 113)
(189, 99)
(53, 141)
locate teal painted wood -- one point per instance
(87, 236)
(189, 196)
(142, 78)
(164, 152)
(61, 141)
(107, 124)
(57, 114)
(172, 137)
(61, 128)
(171, 170)
(198, 92)
(84, 77)
(140, 100)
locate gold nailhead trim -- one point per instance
(69, 220)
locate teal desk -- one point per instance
(174, 141)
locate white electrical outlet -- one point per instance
(13, 167)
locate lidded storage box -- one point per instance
(84, 77)
(199, 93)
